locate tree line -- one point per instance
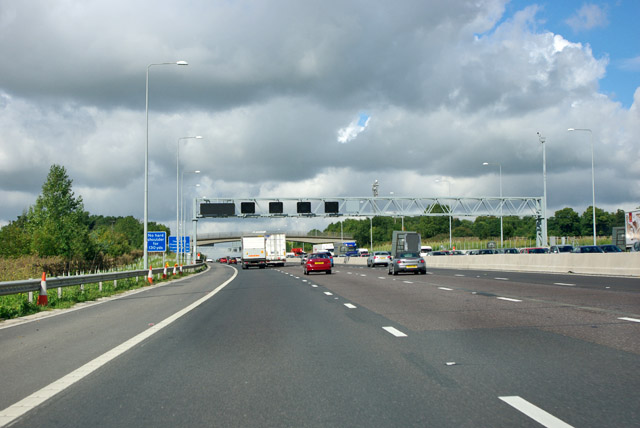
(58, 225)
(565, 222)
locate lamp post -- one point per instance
(146, 165)
(544, 191)
(501, 230)
(182, 232)
(449, 183)
(593, 180)
(178, 241)
(374, 188)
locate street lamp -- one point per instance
(183, 209)
(544, 190)
(146, 165)
(501, 230)
(374, 188)
(178, 242)
(593, 180)
(449, 183)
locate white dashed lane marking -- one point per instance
(536, 413)
(509, 299)
(394, 331)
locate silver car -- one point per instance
(379, 258)
(408, 262)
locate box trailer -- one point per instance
(327, 247)
(254, 252)
(632, 230)
(276, 248)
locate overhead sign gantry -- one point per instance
(368, 206)
(393, 206)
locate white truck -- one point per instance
(632, 230)
(276, 248)
(254, 251)
(319, 248)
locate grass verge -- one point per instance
(18, 305)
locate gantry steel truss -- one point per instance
(387, 206)
(395, 206)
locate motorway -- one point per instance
(357, 348)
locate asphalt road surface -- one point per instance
(357, 348)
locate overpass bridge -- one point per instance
(292, 236)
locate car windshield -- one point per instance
(409, 255)
(319, 256)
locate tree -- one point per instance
(603, 222)
(14, 239)
(57, 222)
(565, 222)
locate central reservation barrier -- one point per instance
(615, 264)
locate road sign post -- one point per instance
(156, 242)
(185, 245)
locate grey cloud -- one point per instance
(269, 85)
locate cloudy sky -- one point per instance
(319, 98)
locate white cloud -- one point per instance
(588, 17)
(631, 64)
(351, 131)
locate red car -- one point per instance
(317, 262)
(222, 259)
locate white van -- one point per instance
(424, 249)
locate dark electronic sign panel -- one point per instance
(248, 207)
(224, 209)
(276, 208)
(304, 207)
(330, 207)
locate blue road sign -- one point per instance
(185, 246)
(156, 242)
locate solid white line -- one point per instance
(509, 300)
(350, 306)
(562, 283)
(445, 288)
(394, 331)
(18, 409)
(629, 319)
(535, 413)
